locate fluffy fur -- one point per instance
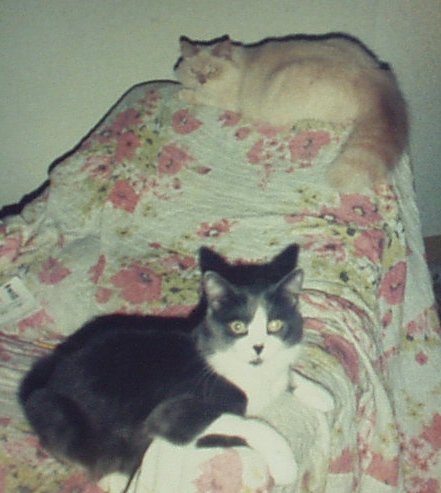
(104, 394)
(330, 78)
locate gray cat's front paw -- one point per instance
(263, 438)
(280, 460)
(114, 483)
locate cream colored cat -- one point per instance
(330, 78)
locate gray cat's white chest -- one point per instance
(262, 390)
(262, 383)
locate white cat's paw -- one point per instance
(188, 96)
(114, 483)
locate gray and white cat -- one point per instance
(283, 80)
(103, 395)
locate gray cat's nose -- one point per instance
(258, 348)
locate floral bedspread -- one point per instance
(118, 229)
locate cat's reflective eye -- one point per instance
(275, 326)
(238, 327)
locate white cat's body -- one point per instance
(277, 82)
(282, 81)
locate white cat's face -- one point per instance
(213, 69)
(201, 69)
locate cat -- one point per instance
(282, 80)
(103, 395)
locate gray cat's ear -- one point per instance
(292, 283)
(188, 48)
(223, 48)
(210, 260)
(287, 259)
(215, 288)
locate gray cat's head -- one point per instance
(252, 315)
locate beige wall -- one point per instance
(64, 62)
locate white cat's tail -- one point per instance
(379, 137)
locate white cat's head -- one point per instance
(205, 65)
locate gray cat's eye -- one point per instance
(238, 327)
(275, 326)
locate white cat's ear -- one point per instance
(223, 49)
(215, 287)
(188, 48)
(292, 283)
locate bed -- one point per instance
(118, 230)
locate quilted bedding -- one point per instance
(118, 230)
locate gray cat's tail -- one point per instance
(37, 378)
(59, 423)
(57, 420)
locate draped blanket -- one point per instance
(118, 230)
